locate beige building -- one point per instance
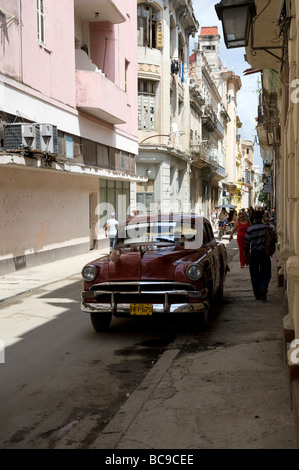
(164, 29)
(208, 123)
(273, 49)
(218, 144)
(244, 195)
(231, 85)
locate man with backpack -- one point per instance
(259, 239)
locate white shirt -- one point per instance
(112, 228)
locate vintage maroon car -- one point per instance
(161, 265)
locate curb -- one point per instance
(112, 434)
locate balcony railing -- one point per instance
(206, 153)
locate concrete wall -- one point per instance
(44, 216)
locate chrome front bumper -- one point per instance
(91, 300)
(125, 309)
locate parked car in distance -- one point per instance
(161, 265)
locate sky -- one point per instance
(233, 59)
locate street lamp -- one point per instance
(236, 17)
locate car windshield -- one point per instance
(156, 231)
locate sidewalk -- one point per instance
(26, 280)
(231, 394)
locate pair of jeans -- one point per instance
(112, 243)
(260, 271)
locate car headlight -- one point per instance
(194, 272)
(89, 273)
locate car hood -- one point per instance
(147, 262)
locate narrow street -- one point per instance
(62, 383)
(60, 377)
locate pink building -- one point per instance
(68, 125)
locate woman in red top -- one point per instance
(241, 224)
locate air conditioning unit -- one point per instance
(20, 135)
(48, 138)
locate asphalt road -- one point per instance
(62, 381)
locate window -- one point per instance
(41, 22)
(208, 235)
(69, 146)
(181, 48)
(172, 40)
(89, 152)
(147, 26)
(102, 156)
(146, 105)
(208, 48)
(122, 161)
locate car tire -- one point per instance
(204, 319)
(219, 293)
(101, 321)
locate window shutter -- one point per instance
(41, 21)
(140, 32)
(160, 34)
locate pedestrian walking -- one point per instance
(222, 220)
(111, 229)
(241, 225)
(260, 262)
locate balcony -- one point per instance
(185, 11)
(92, 90)
(203, 155)
(209, 118)
(219, 130)
(221, 171)
(111, 11)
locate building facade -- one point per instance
(164, 29)
(244, 193)
(274, 52)
(67, 152)
(209, 125)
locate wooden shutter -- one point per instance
(160, 35)
(41, 21)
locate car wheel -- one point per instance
(204, 320)
(219, 293)
(101, 321)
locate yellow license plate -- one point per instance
(141, 309)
